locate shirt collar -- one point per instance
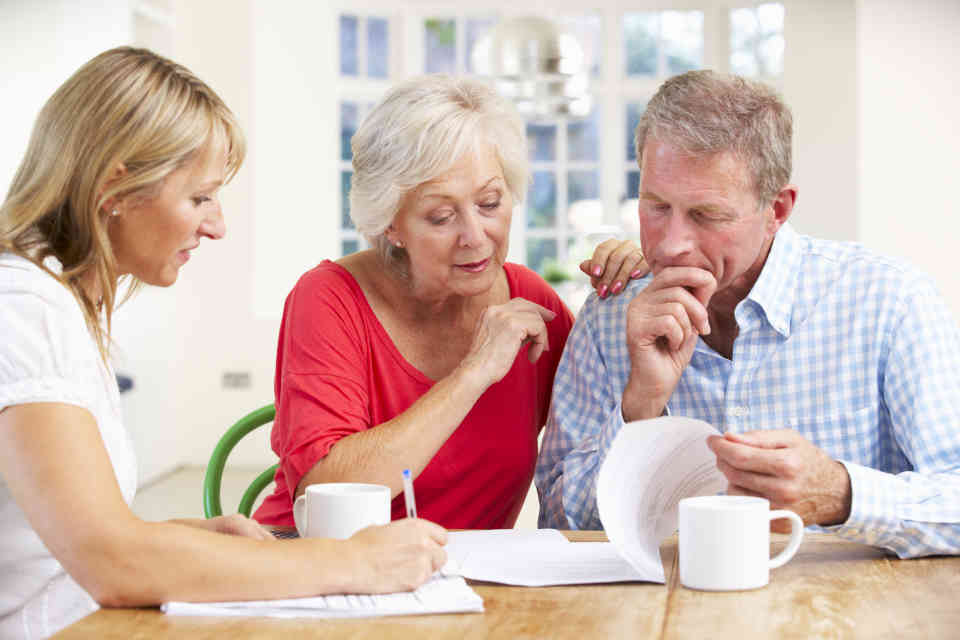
(775, 290)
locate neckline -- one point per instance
(381, 331)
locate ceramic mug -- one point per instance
(340, 509)
(724, 542)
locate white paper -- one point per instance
(651, 466)
(438, 595)
(534, 558)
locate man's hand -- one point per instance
(789, 471)
(663, 324)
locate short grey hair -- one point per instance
(704, 112)
(417, 132)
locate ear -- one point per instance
(782, 206)
(113, 176)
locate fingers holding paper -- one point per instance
(664, 322)
(788, 470)
(399, 556)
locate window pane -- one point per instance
(640, 31)
(588, 29)
(633, 184)
(756, 40)
(440, 38)
(345, 221)
(682, 40)
(348, 126)
(582, 185)
(348, 45)
(542, 200)
(540, 251)
(634, 111)
(349, 246)
(770, 55)
(542, 141)
(378, 47)
(583, 138)
(476, 28)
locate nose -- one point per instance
(213, 226)
(677, 240)
(471, 231)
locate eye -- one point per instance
(199, 200)
(490, 205)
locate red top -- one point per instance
(338, 372)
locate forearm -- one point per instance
(408, 441)
(911, 514)
(140, 564)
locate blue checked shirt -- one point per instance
(856, 352)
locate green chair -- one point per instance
(218, 460)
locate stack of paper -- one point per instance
(534, 558)
(439, 595)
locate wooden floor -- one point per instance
(180, 495)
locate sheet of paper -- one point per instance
(651, 466)
(439, 595)
(534, 558)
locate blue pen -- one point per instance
(408, 494)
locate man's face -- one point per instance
(702, 212)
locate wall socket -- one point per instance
(235, 380)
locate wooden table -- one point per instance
(831, 589)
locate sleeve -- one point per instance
(321, 390)
(917, 512)
(584, 418)
(46, 354)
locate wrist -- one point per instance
(640, 404)
(844, 496)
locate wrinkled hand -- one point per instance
(501, 332)
(663, 324)
(789, 471)
(399, 556)
(235, 525)
(613, 263)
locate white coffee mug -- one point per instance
(340, 509)
(725, 542)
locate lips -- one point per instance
(474, 267)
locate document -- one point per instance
(651, 466)
(441, 594)
(533, 558)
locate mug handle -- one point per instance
(796, 535)
(300, 518)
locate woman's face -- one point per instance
(153, 238)
(455, 228)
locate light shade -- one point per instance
(536, 65)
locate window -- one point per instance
(584, 175)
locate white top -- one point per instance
(48, 355)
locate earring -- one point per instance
(114, 213)
(399, 244)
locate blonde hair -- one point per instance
(128, 107)
(419, 130)
(708, 112)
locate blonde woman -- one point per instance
(429, 351)
(120, 180)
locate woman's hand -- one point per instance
(614, 262)
(399, 556)
(501, 333)
(234, 525)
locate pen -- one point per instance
(408, 494)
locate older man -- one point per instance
(833, 373)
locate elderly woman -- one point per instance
(121, 180)
(428, 351)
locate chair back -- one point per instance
(218, 460)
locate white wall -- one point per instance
(909, 133)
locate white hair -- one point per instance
(417, 132)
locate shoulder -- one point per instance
(31, 286)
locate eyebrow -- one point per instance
(445, 196)
(209, 185)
